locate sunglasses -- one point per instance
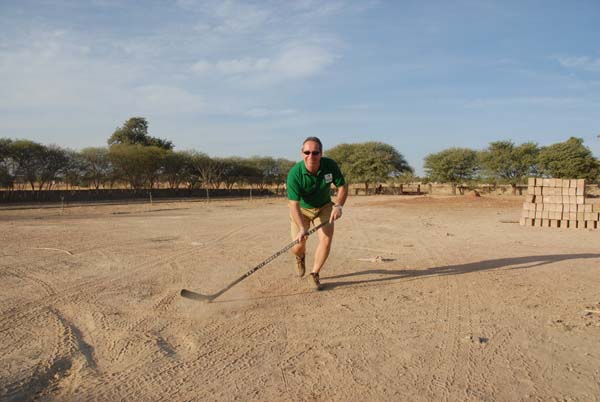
(314, 153)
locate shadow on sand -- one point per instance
(506, 263)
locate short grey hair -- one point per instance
(313, 139)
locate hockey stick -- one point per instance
(198, 296)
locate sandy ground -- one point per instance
(463, 304)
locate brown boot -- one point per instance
(300, 266)
(313, 280)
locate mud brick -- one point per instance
(572, 224)
(537, 191)
(548, 191)
(587, 207)
(580, 216)
(580, 223)
(554, 223)
(580, 185)
(595, 207)
(538, 214)
(572, 199)
(571, 191)
(531, 181)
(558, 183)
(565, 199)
(580, 199)
(591, 224)
(566, 207)
(564, 224)
(566, 183)
(545, 214)
(591, 216)
(572, 216)
(530, 198)
(572, 183)
(546, 182)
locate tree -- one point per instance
(453, 165)
(369, 162)
(37, 163)
(74, 171)
(267, 170)
(503, 161)
(209, 170)
(97, 166)
(175, 167)
(569, 159)
(238, 170)
(138, 165)
(135, 132)
(6, 164)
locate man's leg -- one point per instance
(299, 249)
(325, 235)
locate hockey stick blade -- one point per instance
(188, 294)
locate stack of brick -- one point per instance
(559, 203)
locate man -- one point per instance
(309, 194)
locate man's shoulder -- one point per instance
(328, 162)
(297, 168)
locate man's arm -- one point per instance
(342, 194)
(297, 217)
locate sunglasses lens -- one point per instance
(314, 153)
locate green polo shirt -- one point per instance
(313, 191)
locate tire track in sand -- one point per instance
(70, 356)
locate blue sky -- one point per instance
(256, 77)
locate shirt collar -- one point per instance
(305, 171)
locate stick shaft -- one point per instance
(189, 294)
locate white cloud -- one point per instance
(293, 62)
(260, 112)
(581, 63)
(239, 17)
(525, 101)
(302, 61)
(164, 99)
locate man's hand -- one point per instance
(336, 213)
(302, 235)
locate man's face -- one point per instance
(311, 154)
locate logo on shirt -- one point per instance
(328, 178)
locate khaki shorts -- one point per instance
(314, 215)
